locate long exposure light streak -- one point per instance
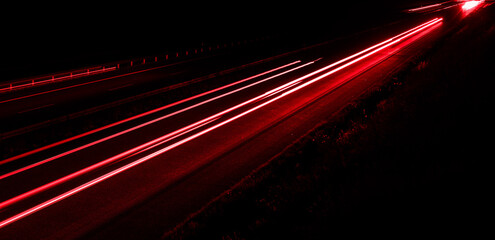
(140, 116)
(143, 114)
(345, 63)
(189, 99)
(425, 7)
(132, 151)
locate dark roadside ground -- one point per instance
(412, 158)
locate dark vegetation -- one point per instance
(411, 158)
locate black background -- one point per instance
(41, 37)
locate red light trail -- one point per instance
(216, 121)
(137, 117)
(133, 151)
(425, 7)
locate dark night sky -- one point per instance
(87, 32)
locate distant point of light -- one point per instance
(471, 4)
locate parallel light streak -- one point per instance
(370, 51)
(130, 152)
(125, 121)
(425, 7)
(189, 99)
(34, 82)
(134, 150)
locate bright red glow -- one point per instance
(284, 90)
(425, 7)
(44, 80)
(132, 151)
(470, 5)
(131, 119)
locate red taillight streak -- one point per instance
(382, 43)
(132, 151)
(374, 51)
(163, 150)
(128, 153)
(281, 90)
(182, 101)
(425, 7)
(128, 120)
(366, 50)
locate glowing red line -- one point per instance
(197, 96)
(33, 82)
(373, 47)
(218, 115)
(163, 150)
(127, 153)
(282, 89)
(425, 7)
(86, 83)
(162, 139)
(63, 88)
(376, 50)
(130, 119)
